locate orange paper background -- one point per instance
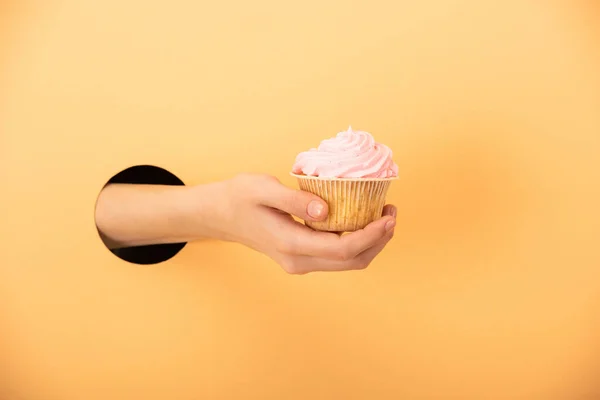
(490, 289)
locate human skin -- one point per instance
(251, 209)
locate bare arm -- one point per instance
(135, 215)
(254, 210)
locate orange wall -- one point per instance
(490, 289)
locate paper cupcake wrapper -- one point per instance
(353, 203)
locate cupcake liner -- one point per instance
(353, 203)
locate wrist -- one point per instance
(208, 211)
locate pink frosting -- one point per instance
(350, 154)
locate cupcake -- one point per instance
(352, 173)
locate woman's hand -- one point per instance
(253, 210)
(256, 211)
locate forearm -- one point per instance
(135, 215)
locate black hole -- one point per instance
(149, 175)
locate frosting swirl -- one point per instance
(350, 154)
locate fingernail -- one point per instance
(394, 212)
(315, 209)
(390, 225)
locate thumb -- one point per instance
(302, 204)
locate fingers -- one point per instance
(368, 255)
(307, 206)
(341, 248)
(301, 265)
